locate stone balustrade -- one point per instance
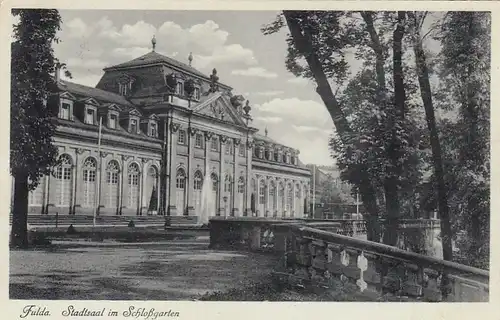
(318, 255)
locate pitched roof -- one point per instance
(98, 94)
(154, 57)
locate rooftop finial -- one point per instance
(265, 131)
(190, 58)
(153, 42)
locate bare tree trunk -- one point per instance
(366, 188)
(19, 233)
(425, 91)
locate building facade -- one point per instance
(142, 141)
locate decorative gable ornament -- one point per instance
(217, 110)
(214, 86)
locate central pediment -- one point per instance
(218, 106)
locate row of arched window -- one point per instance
(270, 155)
(63, 176)
(278, 197)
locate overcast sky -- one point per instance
(253, 64)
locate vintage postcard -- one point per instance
(165, 159)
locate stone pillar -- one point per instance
(190, 206)
(267, 207)
(234, 189)
(75, 170)
(222, 180)
(123, 181)
(248, 189)
(144, 177)
(174, 128)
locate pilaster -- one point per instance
(189, 174)
(234, 186)
(248, 189)
(172, 208)
(222, 142)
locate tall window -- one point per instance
(215, 194)
(228, 147)
(112, 121)
(112, 180)
(197, 93)
(133, 185)
(276, 156)
(181, 139)
(89, 182)
(64, 177)
(267, 156)
(180, 183)
(153, 129)
(198, 142)
(272, 196)
(65, 111)
(122, 88)
(214, 144)
(90, 116)
(179, 89)
(242, 150)
(281, 198)
(197, 185)
(133, 125)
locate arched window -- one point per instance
(112, 180)
(298, 200)
(198, 180)
(180, 183)
(133, 185)
(64, 177)
(89, 182)
(215, 183)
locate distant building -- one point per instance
(163, 124)
(331, 198)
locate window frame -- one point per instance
(196, 144)
(110, 114)
(131, 119)
(94, 115)
(152, 124)
(181, 133)
(180, 93)
(214, 144)
(68, 102)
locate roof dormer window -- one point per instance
(123, 89)
(112, 120)
(133, 126)
(153, 129)
(90, 115)
(65, 110)
(179, 88)
(197, 94)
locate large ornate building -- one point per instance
(163, 124)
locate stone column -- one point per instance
(174, 128)
(144, 177)
(267, 206)
(222, 180)
(123, 181)
(248, 189)
(234, 189)
(75, 169)
(190, 206)
(45, 193)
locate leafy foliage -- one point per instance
(31, 149)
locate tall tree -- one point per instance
(319, 38)
(32, 152)
(465, 77)
(437, 161)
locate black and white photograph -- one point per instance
(236, 155)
